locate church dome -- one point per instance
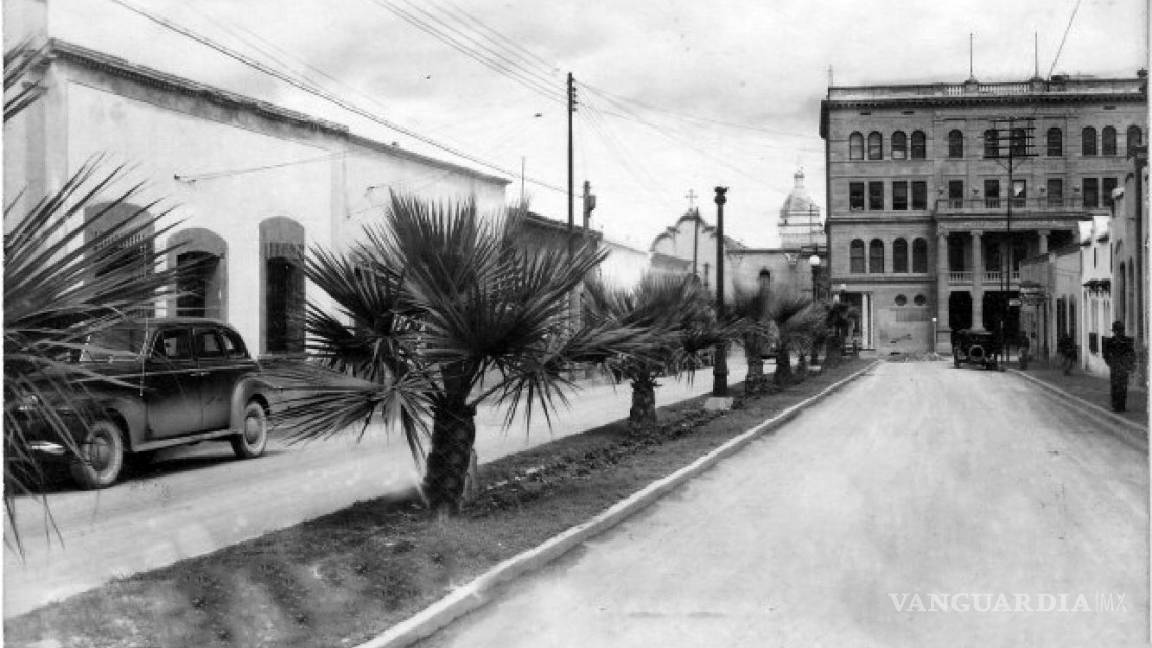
(798, 200)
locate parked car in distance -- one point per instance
(162, 382)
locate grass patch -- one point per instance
(345, 577)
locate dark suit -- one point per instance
(1120, 354)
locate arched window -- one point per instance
(1135, 138)
(1088, 141)
(900, 255)
(856, 257)
(875, 146)
(855, 146)
(991, 144)
(1108, 141)
(1055, 142)
(119, 236)
(282, 242)
(919, 145)
(920, 255)
(955, 144)
(202, 288)
(876, 257)
(899, 146)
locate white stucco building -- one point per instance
(250, 186)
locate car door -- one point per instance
(172, 386)
(219, 371)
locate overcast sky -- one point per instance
(679, 95)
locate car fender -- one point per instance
(246, 389)
(132, 415)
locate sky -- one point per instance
(673, 96)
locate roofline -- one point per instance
(57, 48)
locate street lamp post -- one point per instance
(814, 263)
(720, 364)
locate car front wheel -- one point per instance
(100, 456)
(253, 437)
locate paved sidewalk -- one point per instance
(1093, 388)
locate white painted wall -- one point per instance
(624, 265)
(161, 144)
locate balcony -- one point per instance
(988, 278)
(1042, 203)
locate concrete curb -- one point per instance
(1133, 432)
(476, 593)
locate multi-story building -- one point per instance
(934, 197)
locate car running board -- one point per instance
(183, 440)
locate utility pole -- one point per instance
(720, 365)
(571, 110)
(1019, 139)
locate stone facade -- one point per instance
(925, 220)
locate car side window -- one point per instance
(233, 345)
(173, 344)
(208, 345)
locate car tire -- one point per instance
(253, 437)
(101, 456)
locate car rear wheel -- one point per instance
(101, 456)
(253, 437)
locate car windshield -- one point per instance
(116, 343)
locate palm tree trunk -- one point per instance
(453, 437)
(754, 380)
(783, 374)
(453, 434)
(642, 416)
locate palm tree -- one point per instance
(676, 313)
(838, 318)
(60, 286)
(750, 309)
(442, 312)
(797, 321)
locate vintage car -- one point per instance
(152, 384)
(980, 348)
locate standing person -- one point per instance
(1120, 354)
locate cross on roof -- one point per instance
(691, 198)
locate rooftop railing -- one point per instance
(1055, 85)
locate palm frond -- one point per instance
(61, 285)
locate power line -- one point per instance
(311, 88)
(525, 78)
(528, 55)
(685, 116)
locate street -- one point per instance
(920, 506)
(199, 499)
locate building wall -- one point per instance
(1129, 285)
(624, 266)
(247, 181)
(1096, 295)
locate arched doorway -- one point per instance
(120, 236)
(202, 287)
(282, 285)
